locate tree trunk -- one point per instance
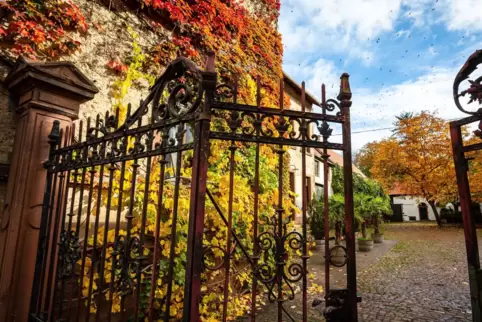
(364, 230)
(435, 212)
(376, 223)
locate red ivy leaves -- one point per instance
(244, 43)
(36, 28)
(117, 66)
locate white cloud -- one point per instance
(376, 109)
(335, 25)
(465, 15)
(314, 29)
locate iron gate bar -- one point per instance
(65, 239)
(344, 97)
(251, 260)
(227, 106)
(73, 235)
(162, 164)
(274, 141)
(97, 218)
(255, 257)
(304, 198)
(42, 248)
(462, 167)
(172, 254)
(105, 146)
(117, 223)
(280, 246)
(49, 305)
(198, 195)
(326, 219)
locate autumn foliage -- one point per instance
(247, 46)
(39, 29)
(417, 159)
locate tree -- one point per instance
(364, 158)
(475, 169)
(417, 157)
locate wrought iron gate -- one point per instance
(131, 220)
(461, 152)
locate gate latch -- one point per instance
(336, 309)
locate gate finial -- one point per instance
(209, 66)
(345, 92)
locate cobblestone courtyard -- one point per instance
(423, 278)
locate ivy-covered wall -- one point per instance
(122, 45)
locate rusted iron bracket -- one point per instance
(336, 309)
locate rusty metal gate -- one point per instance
(131, 219)
(461, 152)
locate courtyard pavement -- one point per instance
(418, 274)
(423, 278)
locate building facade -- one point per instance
(293, 90)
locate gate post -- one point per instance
(192, 289)
(43, 93)
(345, 102)
(470, 231)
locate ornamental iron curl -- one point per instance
(128, 255)
(282, 274)
(475, 89)
(69, 253)
(121, 153)
(180, 83)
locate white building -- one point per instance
(314, 160)
(293, 90)
(409, 208)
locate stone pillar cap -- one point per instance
(61, 75)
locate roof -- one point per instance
(336, 158)
(398, 190)
(297, 87)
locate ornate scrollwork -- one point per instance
(128, 255)
(344, 255)
(209, 257)
(266, 241)
(105, 127)
(475, 89)
(224, 92)
(69, 253)
(295, 273)
(330, 105)
(176, 93)
(235, 121)
(325, 130)
(283, 274)
(282, 125)
(294, 239)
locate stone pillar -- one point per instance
(42, 92)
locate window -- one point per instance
(318, 190)
(317, 168)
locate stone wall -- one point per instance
(108, 38)
(7, 130)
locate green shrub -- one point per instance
(316, 220)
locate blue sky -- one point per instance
(402, 55)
